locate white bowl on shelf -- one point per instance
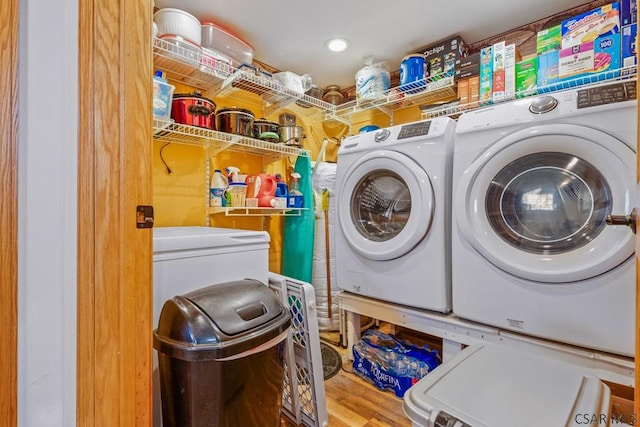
(178, 22)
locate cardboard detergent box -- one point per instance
(441, 57)
(587, 27)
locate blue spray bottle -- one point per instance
(296, 199)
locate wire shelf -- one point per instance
(252, 211)
(454, 110)
(274, 95)
(187, 66)
(216, 141)
(424, 91)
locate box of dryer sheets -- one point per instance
(441, 57)
(486, 75)
(526, 77)
(390, 363)
(548, 39)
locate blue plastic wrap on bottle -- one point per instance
(390, 363)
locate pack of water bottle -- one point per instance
(390, 363)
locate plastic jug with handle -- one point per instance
(262, 187)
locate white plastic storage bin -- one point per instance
(189, 258)
(495, 386)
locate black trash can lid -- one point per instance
(237, 307)
(219, 321)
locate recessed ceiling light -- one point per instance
(337, 44)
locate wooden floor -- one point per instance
(354, 402)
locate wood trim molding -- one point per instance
(636, 400)
(114, 257)
(9, 211)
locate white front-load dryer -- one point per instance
(393, 210)
(535, 181)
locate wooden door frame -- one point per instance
(9, 211)
(114, 315)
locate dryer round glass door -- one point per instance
(535, 203)
(548, 203)
(385, 205)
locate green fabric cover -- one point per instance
(297, 245)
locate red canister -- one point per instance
(193, 109)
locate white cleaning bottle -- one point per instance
(218, 187)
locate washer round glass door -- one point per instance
(385, 205)
(535, 203)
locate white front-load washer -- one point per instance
(393, 211)
(534, 183)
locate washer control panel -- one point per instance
(608, 94)
(414, 129)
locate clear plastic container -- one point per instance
(162, 98)
(238, 193)
(220, 40)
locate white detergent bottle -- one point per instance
(218, 187)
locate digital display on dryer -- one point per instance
(601, 95)
(414, 129)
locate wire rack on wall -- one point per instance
(219, 78)
(185, 65)
(429, 90)
(216, 141)
(273, 94)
